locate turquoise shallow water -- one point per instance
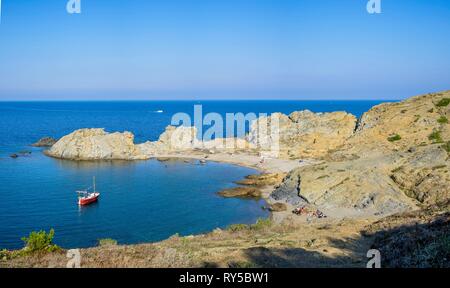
(141, 201)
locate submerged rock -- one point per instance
(45, 142)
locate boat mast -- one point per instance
(94, 183)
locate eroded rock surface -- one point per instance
(95, 144)
(376, 172)
(302, 134)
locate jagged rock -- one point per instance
(355, 184)
(262, 179)
(413, 120)
(425, 175)
(289, 190)
(302, 134)
(94, 144)
(45, 142)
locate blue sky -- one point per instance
(258, 49)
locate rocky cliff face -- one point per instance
(388, 127)
(397, 159)
(303, 134)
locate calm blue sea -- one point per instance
(141, 201)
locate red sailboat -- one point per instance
(86, 197)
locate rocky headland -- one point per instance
(374, 178)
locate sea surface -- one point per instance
(141, 201)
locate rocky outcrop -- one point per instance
(260, 180)
(302, 134)
(277, 207)
(179, 139)
(374, 171)
(390, 127)
(424, 175)
(244, 192)
(95, 144)
(45, 142)
(289, 190)
(360, 184)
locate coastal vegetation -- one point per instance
(37, 243)
(443, 102)
(394, 138)
(107, 242)
(40, 241)
(260, 224)
(446, 146)
(442, 120)
(435, 136)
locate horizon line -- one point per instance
(202, 99)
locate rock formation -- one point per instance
(45, 142)
(244, 192)
(94, 144)
(302, 134)
(379, 173)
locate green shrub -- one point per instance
(261, 224)
(237, 227)
(107, 242)
(5, 254)
(442, 120)
(40, 242)
(443, 102)
(435, 137)
(446, 146)
(394, 138)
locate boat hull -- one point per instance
(88, 200)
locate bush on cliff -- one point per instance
(446, 146)
(394, 138)
(435, 137)
(107, 242)
(40, 242)
(443, 102)
(442, 120)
